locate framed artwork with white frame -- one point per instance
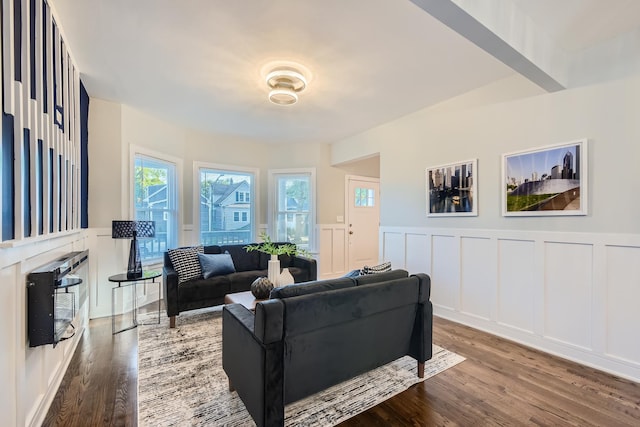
(545, 181)
(452, 189)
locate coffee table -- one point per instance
(245, 298)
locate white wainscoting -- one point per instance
(110, 256)
(30, 376)
(575, 295)
(332, 254)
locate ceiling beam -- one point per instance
(468, 26)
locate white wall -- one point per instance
(605, 114)
(30, 376)
(114, 129)
(329, 180)
(105, 169)
(562, 284)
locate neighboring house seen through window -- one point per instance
(155, 200)
(225, 211)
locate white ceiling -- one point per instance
(202, 64)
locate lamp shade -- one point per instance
(133, 230)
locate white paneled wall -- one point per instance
(621, 299)
(515, 289)
(332, 256)
(30, 375)
(568, 285)
(111, 257)
(477, 277)
(571, 294)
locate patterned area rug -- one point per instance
(181, 380)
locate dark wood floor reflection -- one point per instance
(500, 383)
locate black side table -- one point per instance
(123, 281)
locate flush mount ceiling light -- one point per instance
(285, 84)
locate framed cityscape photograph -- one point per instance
(550, 180)
(452, 189)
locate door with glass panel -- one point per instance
(363, 216)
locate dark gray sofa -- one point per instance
(200, 292)
(310, 336)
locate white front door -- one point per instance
(363, 216)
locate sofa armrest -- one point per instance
(255, 369)
(425, 286)
(308, 264)
(269, 321)
(170, 283)
(239, 314)
(421, 347)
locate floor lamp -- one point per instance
(133, 230)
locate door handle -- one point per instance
(350, 232)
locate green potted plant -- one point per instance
(269, 247)
(273, 249)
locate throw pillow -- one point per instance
(352, 273)
(216, 264)
(185, 262)
(375, 269)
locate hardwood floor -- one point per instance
(100, 385)
(500, 383)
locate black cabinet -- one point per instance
(54, 292)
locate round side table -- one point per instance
(124, 281)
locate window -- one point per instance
(365, 197)
(242, 196)
(292, 204)
(155, 200)
(224, 210)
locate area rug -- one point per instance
(181, 380)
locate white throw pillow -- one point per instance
(185, 261)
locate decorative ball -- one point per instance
(261, 288)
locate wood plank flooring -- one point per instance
(500, 384)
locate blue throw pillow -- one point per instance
(352, 273)
(216, 264)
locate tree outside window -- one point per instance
(155, 200)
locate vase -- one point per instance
(285, 278)
(261, 288)
(273, 270)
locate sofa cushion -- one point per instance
(307, 313)
(376, 269)
(381, 277)
(204, 289)
(243, 260)
(185, 262)
(307, 288)
(216, 264)
(241, 280)
(212, 249)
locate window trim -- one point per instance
(254, 213)
(135, 150)
(273, 204)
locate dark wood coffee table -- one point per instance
(245, 298)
